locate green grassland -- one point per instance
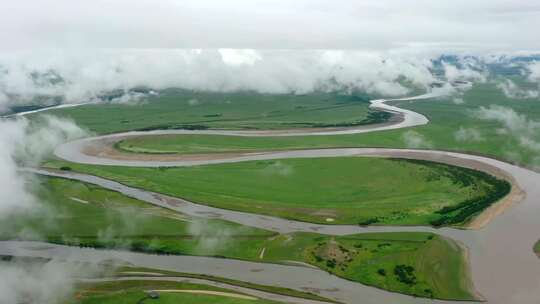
(177, 109)
(341, 190)
(85, 215)
(446, 119)
(88, 215)
(127, 271)
(130, 292)
(370, 259)
(437, 263)
(401, 193)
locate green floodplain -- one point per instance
(338, 190)
(404, 192)
(462, 127)
(168, 292)
(129, 271)
(178, 109)
(421, 264)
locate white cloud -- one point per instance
(307, 24)
(518, 126)
(278, 168)
(239, 56)
(458, 100)
(467, 71)
(468, 134)
(49, 132)
(49, 283)
(193, 102)
(15, 196)
(510, 119)
(36, 281)
(415, 140)
(529, 143)
(534, 71)
(511, 90)
(212, 237)
(4, 99)
(25, 144)
(85, 75)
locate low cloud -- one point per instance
(511, 120)
(415, 140)
(468, 134)
(51, 282)
(517, 126)
(24, 144)
(193, 102)
(301, 24)
(131, 98)
(44, 135)
(278, 168)
(529, 143)
(39, 281)
(458, 100)
(15, 195)
(210, 237)
(534, 71)
(123, 221)
(127, 76)
(49, 77)
(511, 90)
(465, 70)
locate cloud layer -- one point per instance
(47, 283)
(81, 76)
(511, 90)
(26, 144)
(516, 126)
(262, 24)
(23, 144)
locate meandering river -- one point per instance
(504, 267)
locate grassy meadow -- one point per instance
(128, 271)
(456, 127)
(334, 191)
(177, 109)
(86, 215)
(129, 292)
(340, 190)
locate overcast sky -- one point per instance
(492, 25)
(273, 46)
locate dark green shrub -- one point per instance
(405, 274)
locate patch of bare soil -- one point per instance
(105, 149)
